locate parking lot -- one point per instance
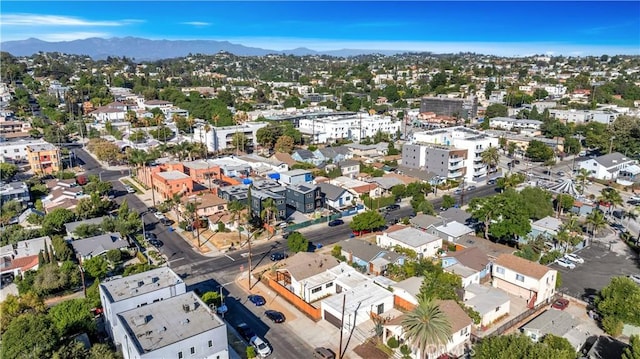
(601, 263)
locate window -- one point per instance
(464, 331)
(193, 350)
(210, 343)
(500, 270)
(179, 355)
(497, 309)
(520, 277)
(316, 290)
(329, 285)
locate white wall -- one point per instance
(545, 287)
(426, 250)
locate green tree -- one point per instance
(490, 157)
(633, 350)
(365, 221)
(62, 249)
(72, 317)
(7, 171)
(572, 146)
(29, 336)
(538, 151)
(103, 351)
(496, 110)
(212, 298)
(611, 197)
(296, 242)
(427, 327)
(596, 220)
(564, 202)
(54, 221)
(114, 256)
(14, 306)
(619, 300)
(518, 346)
(438, 284)
(96, 267)
(448, 201)
(239, 141)
(73, 350)
(537, 201)
(284, 144)
(485, 210)
(86, 230)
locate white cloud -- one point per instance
(196, 23)
(55, 20)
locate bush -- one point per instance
(550, 257)
(114, 256)
(251, 352)
(405, 350)
(612, 326)
(393, 343)
(221, 227)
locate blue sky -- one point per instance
(509, 28)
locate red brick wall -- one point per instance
(308, 309)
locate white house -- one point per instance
(353, 127)
(15, 259)
(460, 329)
(336, 197)
(305, 274)
(467, 275)
(529, 280)
(119, 294)
(491, 303)
(298, 176)
(178, 327)
(507, 123)
(17, 150)
(424, 244)
(608, 166)
(558, 323)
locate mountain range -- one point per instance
(145, 50)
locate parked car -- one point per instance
(278, 256)
(244, 331)
(634, 198)
(392, 207)
(159, 215)
(129, 189)
(458, 191)
(149, 236)
(560, 173)
(471, 188)
(574, 258)
(560, 304)
(336, 222)
(565, 263)
(635, 278)
(491, 182)
(323, 353)
(275, 316)
(262, 349)
(258, 300)
(156, 243)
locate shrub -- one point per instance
(221, 227)
(612, 325)
(251, 352)
(393, 343)
(550, 257)
(404, 350)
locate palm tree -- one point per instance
(236, 208)
(596, 220)
(490, 157)
(426, 326)
(582, 177)
(269, 210)
(611, 197)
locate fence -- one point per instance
(352, 211)
(293, 227)
(508, 325)
(308, 309)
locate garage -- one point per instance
(332, 319)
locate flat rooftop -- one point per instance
(172, 175)
(169, 321)
(138, 284)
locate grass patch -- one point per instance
(135, 187)
(140, 184)
(384, 348)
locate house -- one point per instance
(425, 222)
(170, 183)
(177, 327)
(23, 218)
(526, 279)
(207, 204)
(467, 275)
(605, 347)
(349, 168)
(357, 188)
(336, 197)
(304, 198)
(98, 245)
(460, 329)
(44, 158)
(471, 257)
(547, 227)
(369, 256)
(491, 303)
(333, 154)
(304, 274)
(406, 292)
(358, 303)
(295, 177)
(456, 214)
(425, 245)
(119, 294)
(302, 155)
(559, 323)
(607, 167)
(15, 259)
(70, 227)
(63, 197)
(452, 231)
(14, 191)
(284, 158)
(387, 183)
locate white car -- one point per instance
(565, 263)
(573, 258)
(635, 278)
(634, 198)
(159, 215)
(262, 348)
(129, 189)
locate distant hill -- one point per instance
(144, 49)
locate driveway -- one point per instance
(602, 261)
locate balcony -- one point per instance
(456, 166)
(454, 174)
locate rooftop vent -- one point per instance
(185, 322)
(140, 320)
(186, 308)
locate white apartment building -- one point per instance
(219, 138)
(459, 152)
(425, 245)
(17, 150)
(352, 127)
(178, 327)
(507, 123)
(120, 294)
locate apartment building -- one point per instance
(454, 107)
(453, 152)
(16, 150)
(44, 158)
(351, 127)
(220, 138)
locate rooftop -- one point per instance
(303, 265)
(169, 321)
(472, 257)
(550, 223)
(484, 299)
(411, 285)
(552, 321)
(454, 229)
(172, 175)
(118, 289)
(71, 226)
(460, 270)
(363, 296)
(612, 159)
(522, 266)
(41, 147)
(425, 221)
(412, 237)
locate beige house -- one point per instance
(529, 280)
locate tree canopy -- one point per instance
(365, 221)
(296, 242)
(520, 346)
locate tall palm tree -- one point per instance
(597, 221)
(611, 197)
(490, 157)
(426, 327)
(582, 177)
(237, 208)
(269, 210)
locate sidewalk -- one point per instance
(316, 334)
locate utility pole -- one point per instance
(249, 236)
(340, 352)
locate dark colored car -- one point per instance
(258, 300)
(392, 207)
(323, 353)
(278, 256)
(275, 316)
(336, 222)
(245, 332)
(149, 236)
(560, 304)
(491, 181)
(156, 243)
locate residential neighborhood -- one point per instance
(230, 206)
